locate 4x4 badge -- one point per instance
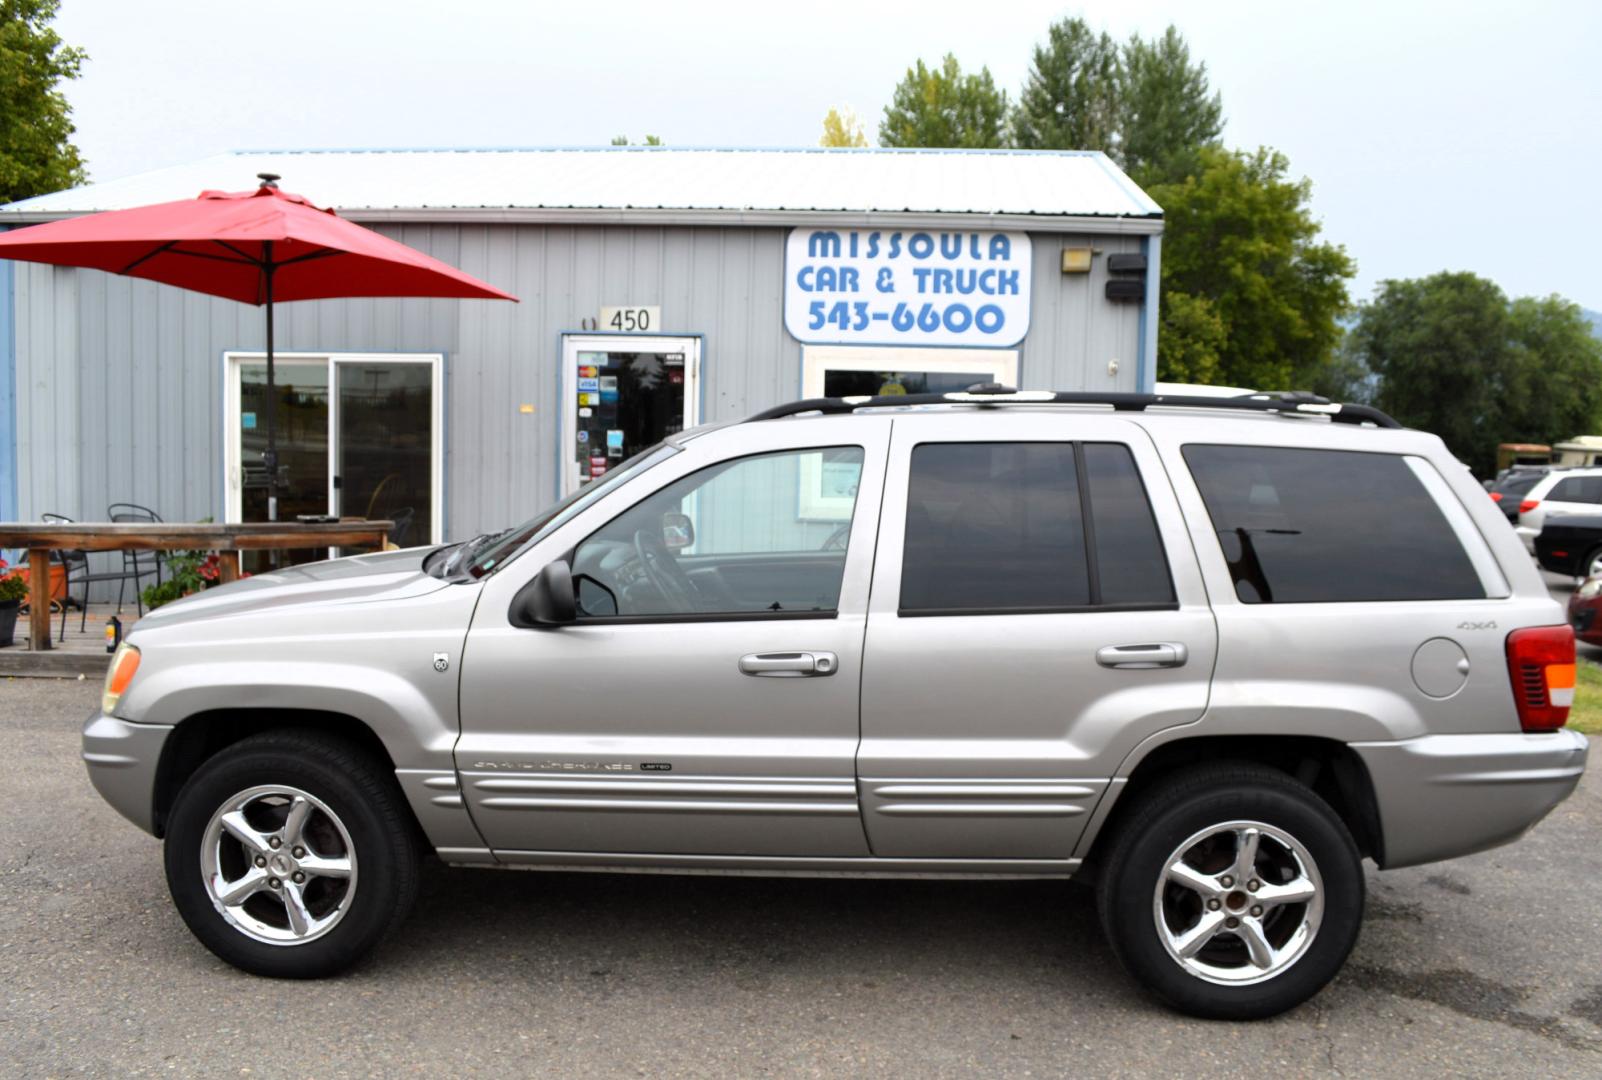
(442, 661)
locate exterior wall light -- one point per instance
(1076, 260)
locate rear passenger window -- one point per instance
(1577, 489)
(1320, 526)
(1129, 555)
(1002, 527)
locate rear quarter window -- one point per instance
(1324, 526)
(1577, 489)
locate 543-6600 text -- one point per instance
(858, 314)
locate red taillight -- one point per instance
(1528, 504)
(1540, 663)
(1496, 496)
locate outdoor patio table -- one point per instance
(225, 539)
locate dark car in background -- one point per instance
(1511, 486)
(1571, 544)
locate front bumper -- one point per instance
(1441, 796)
(122, 757)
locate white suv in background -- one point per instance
(1569, 491)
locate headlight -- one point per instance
(121, 672)
(1591, 587)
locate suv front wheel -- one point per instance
(290, 854)
(1234, 892)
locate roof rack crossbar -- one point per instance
(989, 396)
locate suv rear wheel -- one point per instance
(1233, 893)
(291, 854)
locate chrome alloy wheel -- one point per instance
(1238, 903)
(278, 865)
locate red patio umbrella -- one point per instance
(256, 247)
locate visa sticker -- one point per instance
(589, 384)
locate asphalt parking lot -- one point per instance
(1488, 966)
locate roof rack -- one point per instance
(991, 395)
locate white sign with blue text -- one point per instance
(907, 287)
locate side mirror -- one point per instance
(678, 531)
(547, 600)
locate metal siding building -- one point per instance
(113, 389)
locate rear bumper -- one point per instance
(1441, 796)
(122, 759)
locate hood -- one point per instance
(358, 579)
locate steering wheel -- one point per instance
(663, 570)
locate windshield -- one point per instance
(500, 549)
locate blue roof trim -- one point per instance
(8, 389)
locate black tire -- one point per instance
(1583, 570)
(366, 801)
(1192, 802)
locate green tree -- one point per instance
(1453, 356)
(1167, 110)
(1239, 235)
(842, 128)
(1439, 346)
(1190, 342)
(650, 140)
(943, 107)
(1556, 389)
(1071, 97)
(1343, 376)
(36, 152)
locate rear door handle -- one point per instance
(1154, 654)
(789, 664)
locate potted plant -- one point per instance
(189, 572)
(13, 589)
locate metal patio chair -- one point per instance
(76, 562)
(146, 562)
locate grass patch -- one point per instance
(1586, 715)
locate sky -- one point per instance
(1438, 136)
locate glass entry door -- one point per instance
(383, 456)
(301, 387)
(357, 436)
(622, 394)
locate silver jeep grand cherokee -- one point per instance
(1216, 652)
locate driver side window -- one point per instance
(757, 535)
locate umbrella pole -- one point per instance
(269, 457)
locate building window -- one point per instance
(849, 371)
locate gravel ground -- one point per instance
(1487, 966)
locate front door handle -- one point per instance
(789, 664)
(1154, 654)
